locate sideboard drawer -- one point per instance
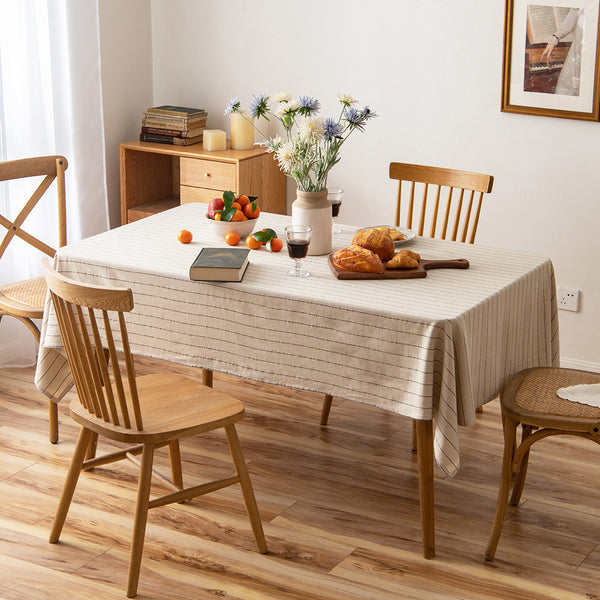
(196, 194)
(208, 174)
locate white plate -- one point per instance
(409, 234)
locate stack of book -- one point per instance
(177, 125)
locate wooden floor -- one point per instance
(339, 506)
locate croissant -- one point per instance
(357, 258)
(376, 240)
(405, 259)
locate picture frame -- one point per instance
(551, 58)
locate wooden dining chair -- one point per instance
(149, 411)
(530, 400)
(24, 300)
(438, 203)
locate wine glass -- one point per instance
(298, 238)
(335, 195)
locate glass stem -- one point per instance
(298, 267)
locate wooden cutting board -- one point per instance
(420, 271)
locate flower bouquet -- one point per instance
(308, 150)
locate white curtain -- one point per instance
(50, 103)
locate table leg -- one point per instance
(425, 461)
(207, 377)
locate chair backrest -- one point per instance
(92, 323)
(455, 195)
(51, 168)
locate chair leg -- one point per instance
(139, 523)
(519, 482)
(246, 485)
(71, 481)
(325, 410)
(175, 461)
(92, 447)
(53, 421)
(413, 445)
(510, 436)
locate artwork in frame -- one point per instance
(551, 58)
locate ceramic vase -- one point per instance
(314, 209)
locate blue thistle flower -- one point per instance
(367, 113)
(332, 128)
(353, 116)
(258, 107)
(232, 106)
(308, 105)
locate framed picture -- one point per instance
(551, 56)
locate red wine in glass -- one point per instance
(335, 195)
(297, 248)
(297, 238)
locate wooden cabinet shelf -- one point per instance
(156, 177)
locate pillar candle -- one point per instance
(242, 133)
(214, 139)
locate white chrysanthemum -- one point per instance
(293, 104)
(286, 155)
(282, 97)
(311, 129)
(347, 99)
(281, 110)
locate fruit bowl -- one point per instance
(222, 228)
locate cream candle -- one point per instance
(242, 132)
(214, 139)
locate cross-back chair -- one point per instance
(24, 300)
(531, 401)
(149, 411)
(435, 202)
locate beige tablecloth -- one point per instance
(432, 348)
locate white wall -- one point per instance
(432, 70)
(126, 67)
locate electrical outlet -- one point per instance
(568, 299)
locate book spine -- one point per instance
(179, 121)
(167, 139)
(180, 118)
(176, 113)
(174, 124)
(179, 133)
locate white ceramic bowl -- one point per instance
(222, 228)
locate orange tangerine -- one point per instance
(242, 200)
(253, 243)
(236, 205)
(232, 238)
(274, 245)
(184, 236)
(239, 216)
(218, 216)
(251, 213)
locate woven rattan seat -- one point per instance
(537, 393)
(30, 294)
(531, 401)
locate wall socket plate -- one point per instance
(568, 298)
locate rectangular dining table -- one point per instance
(433, 349)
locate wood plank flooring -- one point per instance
(339, 506)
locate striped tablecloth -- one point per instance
(432, 348)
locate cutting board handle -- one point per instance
(457, 263)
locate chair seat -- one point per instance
(536, 393)
(24, 298)
(173, 406)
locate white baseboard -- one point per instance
(584, 365)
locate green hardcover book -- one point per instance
(178, 111)
(220, 264)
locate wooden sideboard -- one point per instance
(156, 177)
